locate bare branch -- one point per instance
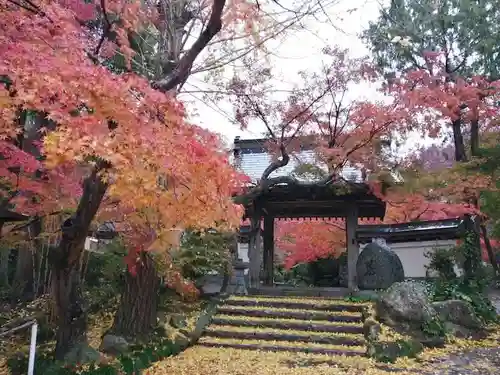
(281, 162)
(181, 72)
(107, 28)
(31, 7)
(262, 116)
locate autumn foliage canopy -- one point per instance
(163, 171)
(359, 134)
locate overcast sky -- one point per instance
(298, 51)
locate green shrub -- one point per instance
(434, 328)
(106, 267)
(297, 275)
(470, 286)
(442, 261)
(104, 276)
(390, 351)
(204, 253)
(323, 272)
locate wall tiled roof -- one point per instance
(253, 164)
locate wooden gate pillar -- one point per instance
(351, 222)
(254, 254)
(268, 237)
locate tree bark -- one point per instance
(71, 312)
(489, 249)
(4, 268)
(474, 137)
(24, 285)
(136, 315)
(458, 139)
(66, 283)
(182, 70)
(472, 261)
(4, 263)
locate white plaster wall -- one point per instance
(412, 254)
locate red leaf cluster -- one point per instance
(165, 172)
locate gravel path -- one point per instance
(482, 361)
(479, 361)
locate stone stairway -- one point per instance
(291, 324)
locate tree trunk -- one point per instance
(136, 315)
(458, 139)
(4, 263)
(4, 268)
(474, 137)
(24, 283)
(487, 243)
(65, 261)
(473, 255)
(71, 312)
(489, 249)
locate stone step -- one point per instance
(323, 305)
(300, 291)
(295, 347)
(296, 324)
(269, 334)
(268, 312)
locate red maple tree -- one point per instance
(127, 140)
(341, 133)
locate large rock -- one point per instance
(378, 268)
(82, 353)
(114, 345)
(210, 285)
(405, 302)
(457, 312)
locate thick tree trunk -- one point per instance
(136, 315)
(71, 312)
(65, 261)
(460, 154)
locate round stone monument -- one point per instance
(378, 267)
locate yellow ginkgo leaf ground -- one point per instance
(464, 357)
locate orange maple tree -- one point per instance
(118, 138)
